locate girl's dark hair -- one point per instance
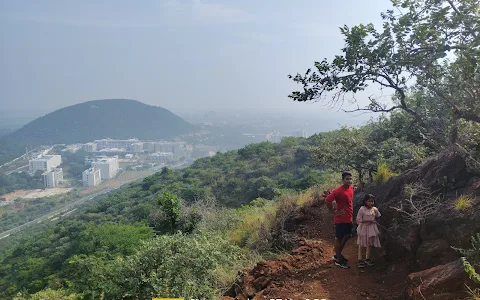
(366, 198)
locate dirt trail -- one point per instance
(309, 272)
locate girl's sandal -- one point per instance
(361, 264)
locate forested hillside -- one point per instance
(114, 226)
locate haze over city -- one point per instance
(186, 56)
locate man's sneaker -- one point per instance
(341, 264)
(361, 264)
(369, 262)
(343, 258)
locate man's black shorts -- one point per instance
(343, 229)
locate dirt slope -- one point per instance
(309, 273)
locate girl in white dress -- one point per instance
(367, 231)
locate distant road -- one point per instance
(17, 169)
(33, 150)
(51, 214)
(68, 206)
(7, 163)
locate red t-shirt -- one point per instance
(344, 200)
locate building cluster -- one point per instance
(300, 133)
(103, 168)
(52, 175)
(275, 136)
(122, 148)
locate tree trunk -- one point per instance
(360, 178)
(454, 133)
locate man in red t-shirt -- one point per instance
(343, 216)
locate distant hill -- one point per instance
(114, 118)
(5, 131)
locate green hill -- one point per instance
(114, 118)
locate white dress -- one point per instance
(368, 234)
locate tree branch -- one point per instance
(450, 2)
(464, 114)
(386, 110)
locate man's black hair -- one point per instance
(345, 174)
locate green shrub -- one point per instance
(471, 263)
(171, 206)
(186, 266)
(47, 294)
(384, 173)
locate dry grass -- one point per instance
(259, 229)
(463, 202)
(262, 229)
(474, 294)
(383, 174)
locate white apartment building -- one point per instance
(53, 177)
(273, 137)
(173, 147)
(149, 147)
(137, 147)
(90, 147)
(91, 177)
(44, 163)
(160, 147)
(108, 167)
(300, 133)
(161, 156)
(110, 143)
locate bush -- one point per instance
(47, 294)
(261, 228)
(471, 263)
(472, 259)
(186, 266)
(383, 173)
(171, 206)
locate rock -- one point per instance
(260, 269)
(444, 278)
(249, 291)
(301, 250)
(401, 243)
(429, 251)
(261, 282)
(240, 297)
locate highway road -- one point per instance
(69, 206)
(63, 209)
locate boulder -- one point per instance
(431, 252)
(261, 282)
(447, 170)
(437, 280)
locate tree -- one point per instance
(171, 206)
(347, 149)
(431, 44)
(47, 294)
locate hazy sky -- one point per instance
(183, 55)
